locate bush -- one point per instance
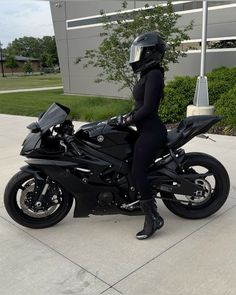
(179, 92)
(220, 81)
(48, 70)
(226, 107)
(27, 68)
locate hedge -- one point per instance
(226, 106)
(179, 93)
(220, 81)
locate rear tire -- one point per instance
(17, 213)
(218, 196)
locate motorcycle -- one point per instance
(93, 167)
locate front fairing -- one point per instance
(32, 142)
(56, 114)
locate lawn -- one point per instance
(34, 81)
(83, 108)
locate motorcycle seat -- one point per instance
(173, 137)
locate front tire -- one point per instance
(217, 197)
(23, 181)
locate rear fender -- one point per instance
(189, 128)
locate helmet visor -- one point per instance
(135, 53)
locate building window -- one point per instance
(180, 7)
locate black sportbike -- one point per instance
(93, 167)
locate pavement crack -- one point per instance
(172, 246)
(110, 289)
(59, 253)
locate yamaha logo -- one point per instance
(100, 138)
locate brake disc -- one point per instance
(203, 195)
(40, 213)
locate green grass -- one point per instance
(83, 108)
(34, 81)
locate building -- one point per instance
(77, 26)
(21, 60)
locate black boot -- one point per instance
(153, 221)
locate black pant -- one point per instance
(152, 138)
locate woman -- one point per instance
(146, 54)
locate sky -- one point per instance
(19, 18)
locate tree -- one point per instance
(26, 46)
(112, 55)
(46, 61)
(27, 68)
(49, 48)
(11, 63)
(35, 47)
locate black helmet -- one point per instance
(146, 51)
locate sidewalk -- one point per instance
(31, 89)
(100, 254)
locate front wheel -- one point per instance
(216, 188)
(19, 200)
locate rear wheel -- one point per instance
(19, 200)
(215, 187)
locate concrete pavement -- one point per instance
(31, 89)
(100, 254)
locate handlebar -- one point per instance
(69, 139)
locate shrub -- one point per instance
(226, 107)
(48, 70)
(27, 68)
(220, 80)
(179, 94)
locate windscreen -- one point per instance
(56, 114)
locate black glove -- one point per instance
(121, 120)
(127, 119)
(117, 120)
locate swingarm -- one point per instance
(169, 175)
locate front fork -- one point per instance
(38, 203)
(41, 185)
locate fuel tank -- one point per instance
(117, 141)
